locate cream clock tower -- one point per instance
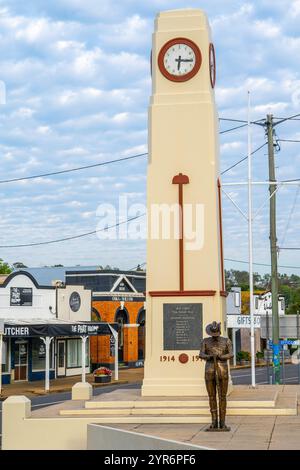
(185, 279)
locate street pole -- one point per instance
(1, 356)
(1, 343)
(273, 247)
(234, 345)
(47, 343)
(115, 335)
(268, 339)
(83, 365)
(250, 241)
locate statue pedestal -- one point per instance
(174, 334)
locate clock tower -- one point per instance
(185, 276)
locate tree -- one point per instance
(4, 267)
(19, 265)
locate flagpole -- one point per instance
(250, 246)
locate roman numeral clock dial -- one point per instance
(179, 59)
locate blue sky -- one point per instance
(78, 84)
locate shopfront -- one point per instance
(117, 296)
(45, 322)
(28, 349)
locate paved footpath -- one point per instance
(247, 433)
(32, 389)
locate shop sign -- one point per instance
(112, 346)
(42, 351)
(20, 296)
(63, 329)
(242, 321)
(75, 301)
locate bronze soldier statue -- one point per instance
(216, 351)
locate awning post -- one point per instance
(47, 342)
(234, 345)
(1, 345)
(1, 342)
(115, 335)
(83, 342)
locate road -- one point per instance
(243, 376)
(240, 376)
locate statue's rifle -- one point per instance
(217, 375)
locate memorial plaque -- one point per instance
(182, 326)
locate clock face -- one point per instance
(179, 59)
(212, 65)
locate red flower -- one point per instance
(102, 371)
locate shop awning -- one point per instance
(55, 327)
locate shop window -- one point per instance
(74, 353)
(39, 355)
(5, 355)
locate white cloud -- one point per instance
(78, 85)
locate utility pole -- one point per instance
(273, 246)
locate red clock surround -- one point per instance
(187, 76)
(212, 65)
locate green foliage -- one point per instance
(288, 286)
(243, 356)
(260, 355)
(4, 267)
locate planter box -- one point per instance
(102, 379)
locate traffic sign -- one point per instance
(290, 342)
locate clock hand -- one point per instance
(179, 60)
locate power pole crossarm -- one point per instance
(273, 247)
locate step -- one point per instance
(172, 412)
(175, 404)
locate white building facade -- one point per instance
(24, 301)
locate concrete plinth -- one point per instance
(82, 391)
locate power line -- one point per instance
(290, 181)
(72, 237)
(260, 264)
(243, 159)
(236, 261)
(233, 128)
(42, 175)
(290, 118)
(289, 248)
(60, 172)
(242, 120)
(290, 215)
(232, 120)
